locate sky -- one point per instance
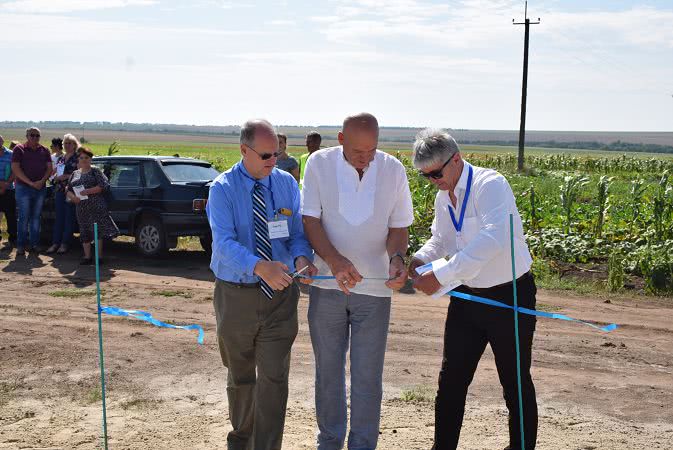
(594, 65)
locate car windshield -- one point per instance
(181, 172)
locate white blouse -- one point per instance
(357, 213)
(480, 255)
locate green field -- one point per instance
(585, 212)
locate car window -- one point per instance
(189, 172)
(124, 175)
(152, 175)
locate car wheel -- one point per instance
(150, 237)
(207, 243)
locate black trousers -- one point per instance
(8, 206)
(469, 327)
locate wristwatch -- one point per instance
(397, 254)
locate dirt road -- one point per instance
(595, 390)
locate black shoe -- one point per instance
(85, 261)
(36, 250)
(20, 251)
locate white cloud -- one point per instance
(283, 22)
(66, 6)
(640, 27)
(86, 31)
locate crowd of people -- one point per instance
(345, 235)
(26, 171)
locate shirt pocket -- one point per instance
(356, 206)
(470, 230)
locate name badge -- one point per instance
(278, 229)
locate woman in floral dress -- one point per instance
(85, 189)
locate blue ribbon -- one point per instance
(497, 304)
(147, 317)
(530, 312)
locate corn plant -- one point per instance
(636, 194)
(603, 204)
(113, 148)
(615, 272)
(570, 190)
(662, 208)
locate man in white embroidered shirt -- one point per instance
(356, 208)
(471, 227)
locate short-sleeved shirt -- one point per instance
(357, 213)
(6, 165)
(288, 164)
(302, 167)
(34, 163)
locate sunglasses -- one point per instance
(264, 156)
(34, 135)
(435, 174)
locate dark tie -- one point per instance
(262, 242)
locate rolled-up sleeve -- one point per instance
(226, 250)
(402, 215)
(310, 198)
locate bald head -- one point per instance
(253, 127)
(361, 122)
(359, 139)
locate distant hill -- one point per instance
(654, 142)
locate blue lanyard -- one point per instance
(270, 188)
(459, 225)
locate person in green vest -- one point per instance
(313, 140)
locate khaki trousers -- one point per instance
(255, 336)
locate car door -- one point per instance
(126, 187)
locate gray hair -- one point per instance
(71, 138)
(433, 146)
(249, 130)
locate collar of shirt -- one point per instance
(462, 181)
(249, 181)
(343, 163)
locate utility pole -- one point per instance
(524, 85)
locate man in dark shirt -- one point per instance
(31, 166)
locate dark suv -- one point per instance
(155, 199)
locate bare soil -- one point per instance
(595, 390)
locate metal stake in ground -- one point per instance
(516, 333)
(524, 86)
(100, 334)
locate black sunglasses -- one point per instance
(436, 174)
(264, 156)
(34, 135)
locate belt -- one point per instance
(241, 285)
(488, 290)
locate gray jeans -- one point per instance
(255, 336)
(333, 317)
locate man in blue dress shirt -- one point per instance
(253, 210)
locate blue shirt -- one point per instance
(6, 165)
(229, 211)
